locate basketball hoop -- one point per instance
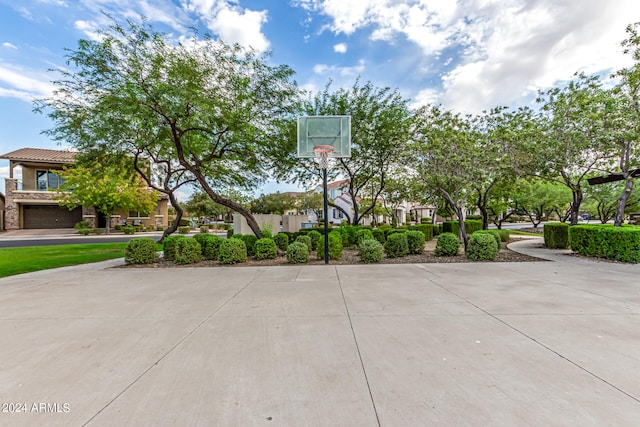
(322, 152)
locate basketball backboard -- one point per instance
(324, 130)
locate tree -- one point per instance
(570, 143)
(625, 126)
(201, 205)
(446, 157)
(311, 201)
(379, 130)
(537, 199)
(220, 111)
(275, 203)
(601, 200)
(106, 189)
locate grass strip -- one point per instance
(35, 258)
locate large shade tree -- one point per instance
(380, 122)
(221, 111)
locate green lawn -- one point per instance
(35, 258)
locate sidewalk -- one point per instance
(534, 344)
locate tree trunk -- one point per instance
(575, 205)
(176, 223)
(622, 201)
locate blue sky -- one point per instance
(468, 55)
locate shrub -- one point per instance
(232, 251)
(556, 235)
(606, 241)
(335, 246)
(504, 235)
(141, 250)
(447, 245)
(267, 232)
(472, 225)
(378, 234)
(118, 227)
(82, 224)
(306, 240)
(184, 229)
(229, 233)
(169, 245)
(282, 241)
(389, 231)
(209, 245)
(494, 233)
(349, 233)
(250, 242)
(370, 250)
(129, 229)
(396, 245)
(315, 236)
(187, 251)
(416, 241)
(87, 231)
(298, 252)
(204, 229)
(425, 220)
(426, 229)
(266, 248)
(453, 226)
(364, 234)
(159, 228)
(482, 246)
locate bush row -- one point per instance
(606, 241)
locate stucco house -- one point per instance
(29, 201)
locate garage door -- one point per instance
(39, 216)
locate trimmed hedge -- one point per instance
(282, 241)
(416, 241)
(606, 241)
(169, 247)
(232, 251)
(183, 229)
(370, 250)
(453, 226)
(129, 229)
(141, 250)
(297, 252)
(483, 246)
(306, 240)
(556, 235)
(266, 248)
(335, 246)
(447, 245)
(426, 229)
(188, 251)
(396, 245)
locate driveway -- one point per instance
(510, 344)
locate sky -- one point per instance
(468, 55)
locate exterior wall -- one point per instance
(240, 225)
(293, 223)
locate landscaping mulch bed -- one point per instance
(350, 257)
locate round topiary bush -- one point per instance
(306, 240)
(494, 233)
(184, 229)
(315, 236)
(141, 250)
(416, 241)
(363, 234)
(297, 252)
(447, 245)
(335, 246)
(250, 242)
(396, 245)
(169, 247)
(209, 245)
(188, 251)
(482, 246)
(232, 251)
(282, 241)
(370, 250)
(266, 249)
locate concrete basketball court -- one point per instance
(508, 344)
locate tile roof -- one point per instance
(40, 155)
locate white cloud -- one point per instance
(232, 23)
(340, 48)
(331, 71)
(89, 28)
(9, 45)
(425, 97)
(502, 50)
(23, 84)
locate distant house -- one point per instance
(29, 201)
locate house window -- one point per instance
(138, 214)
(333, 193)
(46, 180)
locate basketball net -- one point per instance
(322, 152)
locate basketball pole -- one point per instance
(326, 216)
